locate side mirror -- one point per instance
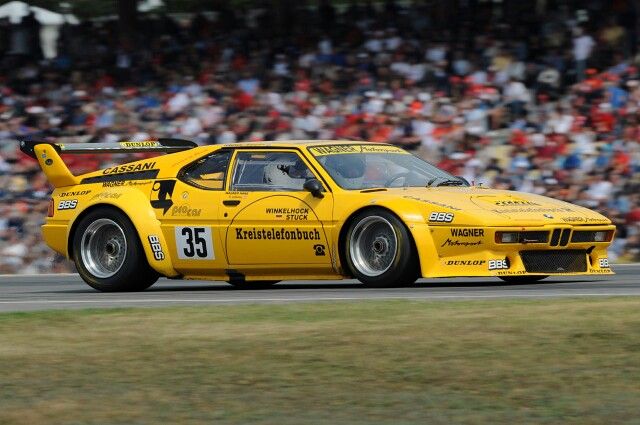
(315, 187)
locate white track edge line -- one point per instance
(241, 300)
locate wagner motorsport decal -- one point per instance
(273, 234)
(127, 168)
(185, 211)
(156, 247)
(340, 149)
(301, 213)
(138, 182)
(161, 193)
(456, 242)
(467, 232)
(584, 219)
(114, 183)
(67, 204)
(78, 193)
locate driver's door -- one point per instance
(271, 219)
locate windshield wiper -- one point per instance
(451, 182)
(445, 182)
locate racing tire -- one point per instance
(108, 254)
(522, 279)
(379, 250)
(253, 284)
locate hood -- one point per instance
(476, 205)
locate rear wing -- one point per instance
(48, 154)
(160, 145)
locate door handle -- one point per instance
(231, 202)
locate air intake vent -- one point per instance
(549, 262)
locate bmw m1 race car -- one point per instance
(253, 214)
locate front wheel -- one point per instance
(379, 250)
(522, 279)
(108, 253)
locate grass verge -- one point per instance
(387, 362)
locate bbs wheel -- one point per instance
(108, 253)
(379, 250)
(522, 279)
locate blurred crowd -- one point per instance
(511, 95)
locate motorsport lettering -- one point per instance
(277, 234)
(129, 168)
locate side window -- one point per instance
(269, 171)
(208, 172)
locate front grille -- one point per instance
(564, 261)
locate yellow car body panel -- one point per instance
(295, 235)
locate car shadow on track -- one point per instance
(185, 286)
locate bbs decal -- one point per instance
(441, 217)
(604, 263)
(69, 204)
(194, 243)
(156, 247)
(498, 264)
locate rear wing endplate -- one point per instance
(160, 145)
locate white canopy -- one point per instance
(149, 5)
(16, 10)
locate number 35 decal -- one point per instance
(194, 243)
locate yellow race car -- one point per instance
(253, 214)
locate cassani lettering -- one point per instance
(277, 234)
(129, 168)
(467, 233)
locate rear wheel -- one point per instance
(108, 253)
(379, 250)
(522, 279)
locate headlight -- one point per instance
(602, 236)
(507, 237)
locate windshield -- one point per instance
(360, 170)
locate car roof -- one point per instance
(297, 143)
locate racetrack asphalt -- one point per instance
(65, 291)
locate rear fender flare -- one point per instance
(135, 205)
